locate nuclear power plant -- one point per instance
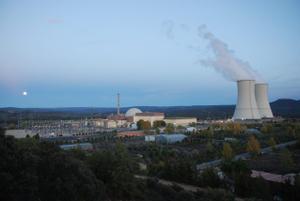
(262, 100)
(253, 102)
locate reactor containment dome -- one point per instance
(132, 112)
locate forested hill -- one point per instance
(286, 108)
(281, 107)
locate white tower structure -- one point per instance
(118, 104)
(261, 95)
(246, 107)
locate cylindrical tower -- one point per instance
(261, 95)
(118, 104)
(246, 107)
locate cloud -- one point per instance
(168, 28)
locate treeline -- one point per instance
(172, 164)
(34, 170)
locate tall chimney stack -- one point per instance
(118, 103)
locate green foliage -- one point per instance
(143, 125)
(180, 127)
(116, 170)
(253, 146)
(272, 143)
(291, 131)
(244, 185)
(235, 168)
(266, 128)
(210, 149)
(170, 128)
(286, 159)
(210, 178)
(215, 195)
(31, 170)
(78, 154)
(227, 152)
(235, 128)
(159, 124)
(181, 170)
(208, 133)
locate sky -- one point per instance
(69, 53)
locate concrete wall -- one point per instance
(181, 121)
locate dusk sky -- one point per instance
(82, 53)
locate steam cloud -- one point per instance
(225, 62)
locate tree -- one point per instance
(272, 143)
(170, 128)
(181, 170)
(227, 152)
(210, 150)
(266, 128)
(33, 170)
(209, 177)
(209, 147)
(215, 195)
(291, 131)
(235, 128)
(159, 124)
(115, 169)
(143, 125)
(234, 168)
(253, 146)
(140, 124)
(209, 132)
(286, 159)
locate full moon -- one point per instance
(24, 93)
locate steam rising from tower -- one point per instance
(224, 61)
(252, 102)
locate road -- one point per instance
(185, 187)
(217, 162)
(171, 183)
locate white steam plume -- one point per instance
(225, 62)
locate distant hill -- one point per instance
(286, 108)
(281, 107)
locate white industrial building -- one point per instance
(181, 121)
(149, 116)
(165, 138)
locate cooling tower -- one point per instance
(262, 101)
(246, 107)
